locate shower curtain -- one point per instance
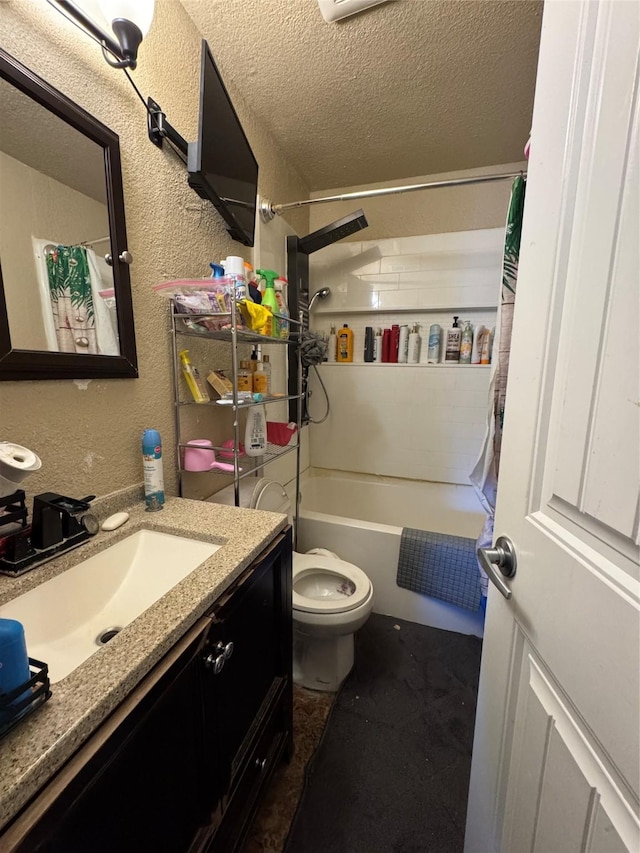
(484, 476)
(75, 317)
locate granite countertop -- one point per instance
(80, 702)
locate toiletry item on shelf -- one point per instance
(485, 348)
(217, 270)
(256, 356)
(453, 341)
(255, 435)
(386, 345)
(220, 383)
(377, 346)
(260, 380)
(466, 343)
(477, 344)
(152, 470)
(345, 344)
(245, 377)
(492, 335)
(269, 299)
(266, 367)
(413, 355)
(368, 344)
(280, 287)
(193, 379)
(234, 268)
(393, 343)
(403, 345)
(14, 662)
(332, 345)
(433, 352)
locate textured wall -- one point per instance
(434, 211)
(88, 434)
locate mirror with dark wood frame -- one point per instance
(65, 294)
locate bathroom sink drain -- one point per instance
(103, 638)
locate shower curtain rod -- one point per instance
(268, 210)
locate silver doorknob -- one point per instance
(502, 556)
(214, 662)
(126, 258)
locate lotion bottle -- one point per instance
(453, 342)
(255, 434)
(413, 355)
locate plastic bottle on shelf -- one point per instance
(266, 369)
(403, 345)
(453, 341)
(193, 379)
(269, 299)
(433, 353)
(477, 344)
(413, 355)
(345, 344)
(393, 343)
(333, 344)
(377, 346)
(466, 343)
(280, 287)
(245, 377)
(369, 344)
(255, 434)
(386, 346)
(234, 268)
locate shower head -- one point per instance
(333, 232)
(319, 294)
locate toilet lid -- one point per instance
(326, 585)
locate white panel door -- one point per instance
(556, 752)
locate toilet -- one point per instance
(332, 599)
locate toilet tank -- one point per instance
(257, 493)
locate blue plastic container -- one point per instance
(14, 661)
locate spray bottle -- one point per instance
(152, 468)
(269, 298)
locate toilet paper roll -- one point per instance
(17, 462)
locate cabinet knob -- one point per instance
(225, 649)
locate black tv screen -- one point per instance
(221, 165)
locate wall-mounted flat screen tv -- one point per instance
(221, 165)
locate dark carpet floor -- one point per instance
(392, 771)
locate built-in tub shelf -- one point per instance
(401, 364)
(321, 311)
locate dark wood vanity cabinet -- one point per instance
(181, 764)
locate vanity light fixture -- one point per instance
(129, 21)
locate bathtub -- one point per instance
(360, 517)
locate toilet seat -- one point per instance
(318, 582)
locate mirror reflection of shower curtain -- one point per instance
(74, 315)
(484, 476)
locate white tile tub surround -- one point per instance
(420, 422)
(343, 512)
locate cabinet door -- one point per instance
(148, 780)
(256, 618)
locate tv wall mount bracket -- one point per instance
(159, 128)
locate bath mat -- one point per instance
(440, 565)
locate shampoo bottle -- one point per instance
(377, 346)
(453, 342)
(333, 344)
(477, 344)
(466, 343)
(386, 345)
(394, 343)
(255, 434)
(433, 353)
(403, 345)
(368, 344)
(193, 379)
(152, 469)
(413, 356)
(345, 344)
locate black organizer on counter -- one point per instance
(14, 707)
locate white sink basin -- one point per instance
(65, 617)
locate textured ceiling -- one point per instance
(410, 87)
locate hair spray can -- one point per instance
(152, 468)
